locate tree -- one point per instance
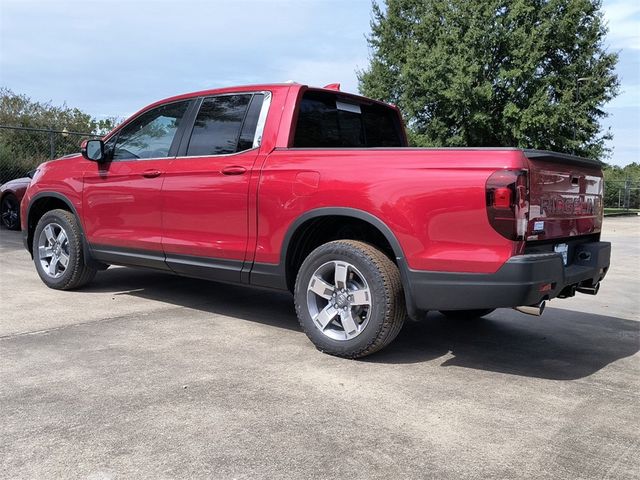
(487, 73)
(20, 111)
(22, 150)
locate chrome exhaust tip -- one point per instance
(589, 290)
(535, 309)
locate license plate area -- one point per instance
(563, 249)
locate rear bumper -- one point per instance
(517, 282)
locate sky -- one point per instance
(110, 58)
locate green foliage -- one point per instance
(20, 111)
(23, 150)
(621, 181)
(524, 73)
(15, 166)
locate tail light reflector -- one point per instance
(502, 198)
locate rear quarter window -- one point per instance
(328, 121)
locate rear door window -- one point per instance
(225, 124)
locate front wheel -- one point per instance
(58, 251)
(349, 299)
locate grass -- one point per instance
(620, 211)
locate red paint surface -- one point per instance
(433, 200)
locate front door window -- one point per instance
(151, 135)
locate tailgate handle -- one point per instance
(151, 173)
(234, 170)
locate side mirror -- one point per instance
(93, 150)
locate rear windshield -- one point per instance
(326, 120)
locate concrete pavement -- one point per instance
(147, 375)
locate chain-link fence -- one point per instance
(22, 148)
(622, 194)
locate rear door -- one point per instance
(565, 196)
(205, 193)
(121, 198)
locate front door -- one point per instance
(121, 197)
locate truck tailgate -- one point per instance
(565, 195)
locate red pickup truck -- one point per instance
(315, 191)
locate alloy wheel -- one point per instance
(339, 300)
(53, 250)
(10, 212)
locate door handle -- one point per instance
(233, 170)
(151, 173)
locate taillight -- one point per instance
(501, 198)
(507, 203)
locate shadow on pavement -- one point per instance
(561, 345)
(268, 307)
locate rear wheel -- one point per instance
(10, 212)
(349, 299)
(466, 314)
(58, 251)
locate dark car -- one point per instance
(11, 194)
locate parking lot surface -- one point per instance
(147, 375)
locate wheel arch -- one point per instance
(341, 212)
(297, 229)
(4, 193)
(8, 192)
(41, 203)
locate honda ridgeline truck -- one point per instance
(315, 191)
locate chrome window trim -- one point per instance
(215, 155)
(262, 119)
(141, 159)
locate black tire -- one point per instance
(76, 273)
(385, 314)
(10, 212)
(466, 314)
